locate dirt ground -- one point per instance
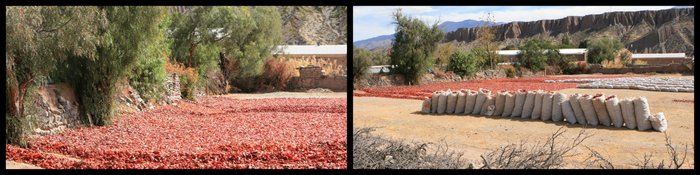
(474, 135)
(287, 95)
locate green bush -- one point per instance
(532, 55)
(510, 72)
(603, 49)
(361, 62)
(16, 129)
(463, 63)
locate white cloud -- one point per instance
(386, 11)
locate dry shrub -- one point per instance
(374, 152)
(639, 62)
(188, 78)
(439, 73)
(547, 155)
(277, 73)
(330, 65)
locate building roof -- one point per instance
(311, 49)
(561, 51)
(658, 55)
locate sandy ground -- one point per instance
(474, 135)
(16, 165)
(287, 95)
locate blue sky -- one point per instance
(371, 21)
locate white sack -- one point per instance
(480, 99)
(434, 101)
(442, 102)
(537, 109)
(600, 111)
(642, 113)
(659, 122)
(519, 102)
(461, 101)
(627, 107)
(426, 106)
(557, 100)
(490, 101)
(500, 103)
(547, 106)
(529, 104)
(508, 107)
(469, 105)
(588, 111)
(451, 102)
(612, 104)
(568, 112)
(578, 112)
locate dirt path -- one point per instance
(472, 135)
(16, 165)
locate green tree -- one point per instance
(414, 45)
(148, 74)
(566, 42)
(36, 38)
(360, 63)
(532, 55)
(584, 43)
(463, 63)
(603, 49)
(486, 36)
(246, 34)
(443, 53)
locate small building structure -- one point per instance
(578, 53)
(661, 58)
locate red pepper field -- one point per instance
(495, 85)
(215, 132)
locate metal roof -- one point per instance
(561, 51)
(658, 55)
(311, 49)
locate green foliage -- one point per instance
(188, 85)
(463, 63)
(566, 42)
(443, 53)
(511, 47)
(532, 55)
(360, 62)
(603, 49)
(246, 34)
(16, 129)
(510, 72)
(414, 46)
(380, 57)
(584, 43)
(148, 74)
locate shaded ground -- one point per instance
(474, 135)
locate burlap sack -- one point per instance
(426, 106)
(519, 103)
(588, 111)
(451, 102)
(600, 111)
(573, 100)
(612, 104)
(529, 104)
(659, 122)
(471, 100)
(490, 101)
(537, 109)
(500, 103)
(628, 116)
(547, 106)
(568, 112)
(510, 104)
(557, 100)
(480, 99)
(642, 113)
(442, 102)
(434, 101)
(461, 101)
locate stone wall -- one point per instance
(56, 108)
(172, 88)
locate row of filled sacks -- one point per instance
(633, 113)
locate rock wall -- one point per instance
(667, 31)
(56, 109)
(172, 88)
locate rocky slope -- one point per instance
(670, 30)
(314, 24)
